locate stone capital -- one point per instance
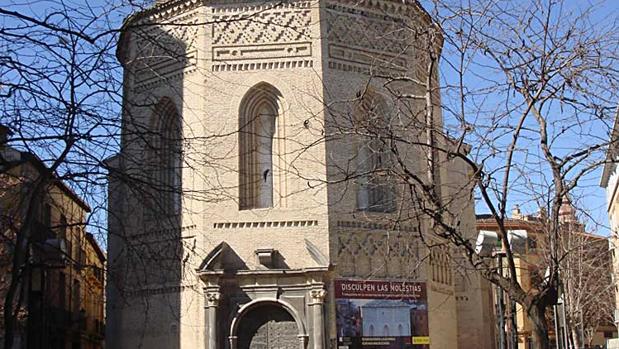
(212, 298)
(318, 296)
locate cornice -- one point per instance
(510, 223)
(403, 8)
(163, 11)
(171, 8)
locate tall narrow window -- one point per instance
(259, 173)
(75, 297)
(47, 216)
(62, 291)
(375, 190)
(165, 160)
(62, 227)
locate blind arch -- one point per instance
(165, 159)
(372, 122)
(261, 148)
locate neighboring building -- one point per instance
(610, 182)
(585, 275)
(60, 290)
(230, 216)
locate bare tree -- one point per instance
(587, 284)
(60, 88)
(61, 85)
(527, 91)
(532, 88)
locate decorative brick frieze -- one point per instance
(378, 254)
(165, 51)
(368, 39)
(262, 36)
(376, 225)
(274, 224)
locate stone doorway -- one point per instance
(268, 327)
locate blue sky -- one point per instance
(110, 14)
(482, 74)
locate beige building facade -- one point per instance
(610, 183)
(527, 267)
(255, 203)
(586, 265)
(60, 285)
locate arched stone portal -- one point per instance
(267, 326)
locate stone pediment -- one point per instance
(222, 258)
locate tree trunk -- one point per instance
(10, 306)
(537, 315)
(576, 337)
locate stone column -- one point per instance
(318, 297)
(210, 308)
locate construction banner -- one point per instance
(381, 314)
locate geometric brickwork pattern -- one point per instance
(358, 37)
(178, 37)
(268, 224)
(263, 36)
(266, 27)
(165, 51)
(382, 34)
(379, 254)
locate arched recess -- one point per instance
(256, 307)
(261, 148)
(165, 159)
(372, 123)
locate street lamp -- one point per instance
(559, 317)
(487, 245)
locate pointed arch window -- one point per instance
(260, 150)
(376, 189)
(165, 160)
